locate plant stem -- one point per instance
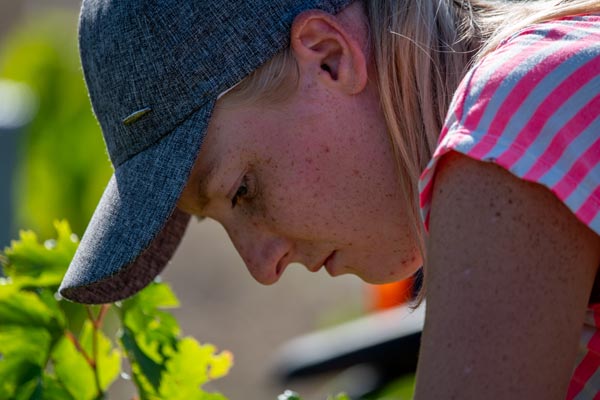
(80, 349)
(103, 310)
(95, 347)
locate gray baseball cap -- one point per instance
(154, 70)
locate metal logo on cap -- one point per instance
(130, 119)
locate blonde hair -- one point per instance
(421, 50)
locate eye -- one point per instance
(242, 191)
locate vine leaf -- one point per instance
(23, 353)
(32, 264)
(220, 365)
(108, 358)
(188, 369)
(74, 371)
(52, 349)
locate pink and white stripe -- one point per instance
(533, 107)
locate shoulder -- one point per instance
(536, 61)
(551, 57)
(532, 107)
(509, 273)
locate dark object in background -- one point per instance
(16, 110)
(379, 348)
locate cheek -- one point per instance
(317, 194)
(336, 183)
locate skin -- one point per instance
(315, 169)
(509, 269)
(509, 274)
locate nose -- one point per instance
(263, 252)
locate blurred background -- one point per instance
(54, 165)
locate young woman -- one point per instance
(482, 117)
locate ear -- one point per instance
(327, 50)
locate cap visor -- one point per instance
(136, 227)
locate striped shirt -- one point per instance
(532, 106)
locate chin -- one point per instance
(380, 275)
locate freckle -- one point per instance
(356, 172)
(269, 160)
(308, 160)
(326, 149)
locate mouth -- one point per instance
(324, 262)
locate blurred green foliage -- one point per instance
(52, 349)
(400, 389)
(64, 167)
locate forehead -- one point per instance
(215, 149)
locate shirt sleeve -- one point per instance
(532, 106)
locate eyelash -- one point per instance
(241, 192)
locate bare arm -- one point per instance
(509, 273)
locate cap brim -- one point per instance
(136, 227)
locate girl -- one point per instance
(482, 118)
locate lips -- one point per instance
(282, 264)
(324, 262)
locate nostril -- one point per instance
(281, 265)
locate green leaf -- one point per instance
(340, 396)
(154, 296)
(108, 358)
(30, 343)
(53, 390)
(149, 332)
(16, 374)
(73, 371)
(400, 389)
(146, 372)
(32, 264)
(31, 390)
(189, 368)
(220, 364)
(29, 309)
(23, 354)
(27, 327)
